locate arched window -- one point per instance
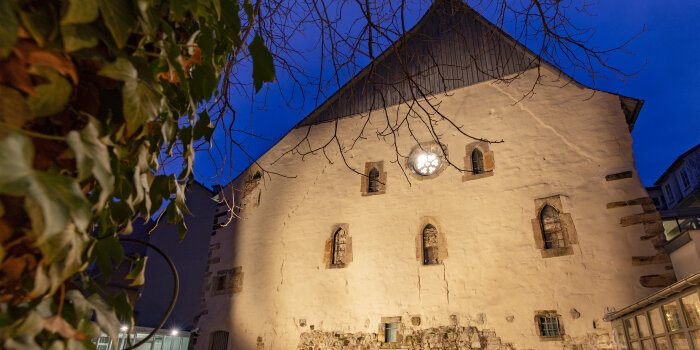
(339, 244)
(551, 228)
(430, 245)
(373, 183)
(218, 340)
(477, 162)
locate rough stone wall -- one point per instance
(560, 141)
(442, 338)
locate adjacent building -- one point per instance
(679, 185)
(670, 317)
(152, 300)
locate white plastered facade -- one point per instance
(563, 140)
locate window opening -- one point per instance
(390, 330)
(684, 177)
(670, 194)
(219, 340)
(549, 326)
(373, 184)
(551, 228)
(339, 245)
(426, 161)
(221, 282)
(477, 162)
(430, 245)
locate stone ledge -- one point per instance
(640, 218)
(619, 176)
(637, 201)
(658, 281)
(654, 259)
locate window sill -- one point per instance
(554, 252)
(552, 338)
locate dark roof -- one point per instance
(451, 46)
(203, 186)
(676, 163)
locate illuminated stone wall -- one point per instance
(492, 278)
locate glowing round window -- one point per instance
(426, 160)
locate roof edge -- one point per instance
(675, 163)
(678, 287)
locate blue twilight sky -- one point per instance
(668, 125)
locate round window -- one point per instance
(426, 160)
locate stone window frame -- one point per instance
(328, 251)
(442, 241)
(567, 226)
(427, 145)
(364, 182)
(232, 280)
(489, 161)
(539, 315)
(381, 336)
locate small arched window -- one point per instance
(551, 228)
(340, 239)
(218, 340)
(430, 245)
(373, 183)
(477, 162)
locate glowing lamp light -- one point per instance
(173, 332)
(426, 163)
(124, 328)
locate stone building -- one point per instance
(530, 247)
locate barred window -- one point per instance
(549, 326)
(551, 228)
(430, 245)
(218, 340)
(339, 246)
(477, 162)
(373, 183)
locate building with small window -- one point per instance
(668, 319)
(679, 185)
(456, 244)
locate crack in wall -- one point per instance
(447, 285)
(520, 105)
(281, 273)
(420, 298)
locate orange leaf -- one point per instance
(197, 57)
(13, 73)
(166, 75)
(13, 266)
(29, 52)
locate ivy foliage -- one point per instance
(93, 93)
